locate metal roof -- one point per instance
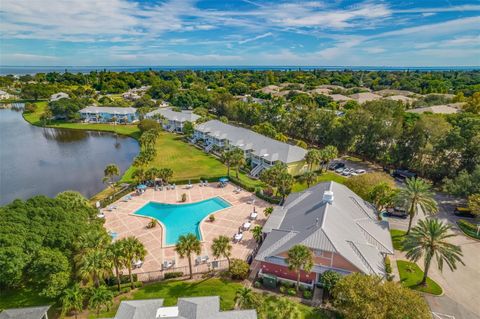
(172, 115)
(348, 226)
(262, 146)
(109, 110)
(24, 313)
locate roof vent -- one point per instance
(328, 196)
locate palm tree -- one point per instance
(117, 255)
(238, 160)
(110, 171)
(101, 298)
(284, 184)
(309, 178)
(329, 153)
(416, 193)
(227, 157)
(152, 173)
(139, 175)
(166, 174)
(94, 266)
(244, 298)
(133, 249)
(257, 232)
(286, 308)
(186, 245)
(72, 300)
(221, 247)
(299, 258)
(428, 239)
(312, 157)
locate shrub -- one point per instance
(147, 125)
(175, 274)
(239, 269)
(468, 228)
(271, 200)
(307, 294)
(184, 198)
(211, 218)
(291, 292)
(30, 107)
(267, 211)
(283, 289)
(329, 279)
(257, 284)
(388, 269)
(126, 290)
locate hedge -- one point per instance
(468, 228)
(175, 274)
(271, 200)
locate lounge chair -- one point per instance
(251, 201)
(206, 183)
(173, 186)
(238, 237)
(253, 215)
(101, 215)
(201, 260)
(247, 225)
(168, 264)
(137, 263)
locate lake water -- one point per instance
(35, 160)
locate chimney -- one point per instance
(328, 196)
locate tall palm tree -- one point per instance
(221, 247)
(299, 258)
(101, 298)
(116, 254)
(166, 174)
(416, 194)
(152, 174)
(227, 157)
(312, 157)
(428, 239)
(133, 249)
(110, 171)
(139, 175)
(238, 160)
(72, 300)
(284, 184)
(328, 154)
(245, 298)
(257, 233)
(309, 178)
(186, 246)
(94, 266)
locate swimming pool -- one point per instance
(181, 219)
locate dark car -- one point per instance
(398, 212)
(461, 211)
(403, 174)
(335, 166)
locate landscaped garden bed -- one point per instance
(411, 275)
(468, 228)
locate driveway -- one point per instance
(461, 299)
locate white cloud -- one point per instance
(258, 37)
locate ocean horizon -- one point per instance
(23, 70)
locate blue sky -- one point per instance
(249, 32)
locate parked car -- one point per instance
(339, 170)
(347, 172)
(403, 174)
(335, 166)
(360, 171)
(462, 211)
(399, 212)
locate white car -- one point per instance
(360, 171)
(347, 172)
(339, 170)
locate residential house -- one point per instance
(25, 313)
(174, 120)
(103, 114)
(439, 109)
(364, 97)
(5, 95)
(401, 98)
(186, 308)
(261, 151)
(340, 98)
(58, 96)
(341, 229)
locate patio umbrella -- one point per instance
(142, 186)
(223, 180)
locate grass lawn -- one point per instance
(25, 297)
(411, 275)
(397, 238)
(324, 177)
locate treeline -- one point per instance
(244, 81)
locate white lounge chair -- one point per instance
(254, 215)
(201, 260)
(251, 201)
(101, 215)
(247, 225)
(168, 264)
(137, 264)
(238, 237)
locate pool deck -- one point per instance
(227, 222)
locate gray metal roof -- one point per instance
(109, 109)
(188, 308)
(347, 226)
(172, 115)
(24, 313)
(262, 146)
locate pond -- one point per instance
(35, 160)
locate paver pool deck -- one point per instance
(227, 222)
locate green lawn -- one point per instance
(397, 238)
(171, 291)
(324, 177)
(411, 275)
(22, 298)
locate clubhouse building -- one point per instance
(262, 152)
(173, 120)
(339, 227)
(105, 114)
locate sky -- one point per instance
(234, 32)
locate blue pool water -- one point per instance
(181, 219)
